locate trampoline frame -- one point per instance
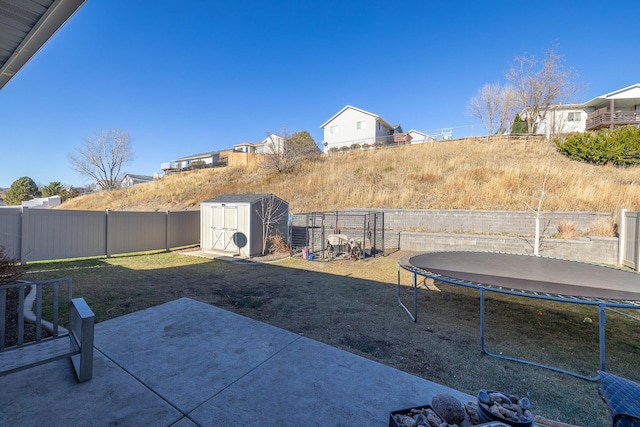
(601, 303)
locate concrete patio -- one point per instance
(186, 363)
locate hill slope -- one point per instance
(465, 174)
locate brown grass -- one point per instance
(499, 174)
(567, 230)
(353, 306)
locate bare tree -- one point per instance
(272, 212)
(494, 105)
(283, 152)
(541, 84)
(102, 157)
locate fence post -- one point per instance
(622, 236)
(107, 239)
(167, 231)
(24, 234)
(636, 244)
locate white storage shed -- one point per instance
(237, 223)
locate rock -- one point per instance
(449, 408)
(483, 397)
(524, 403)
(405, 421)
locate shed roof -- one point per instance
(240, 198)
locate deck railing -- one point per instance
(600, 119)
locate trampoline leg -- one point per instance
(602, 320)
(482, 321)
(413, 316)
(540, 365)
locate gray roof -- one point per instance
(239, 198)
(198, 156)
(25, 26)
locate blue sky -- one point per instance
(195, 76)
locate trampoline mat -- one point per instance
(533, 274)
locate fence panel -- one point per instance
(11, 231)
(58, 234)
(184, 228)
(136, 231)
(629, 241)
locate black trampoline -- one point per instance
(528, 276)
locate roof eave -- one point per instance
(56, 15)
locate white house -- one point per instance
(204, 159)
(271, 144)
(42, 202)
(617, 108)
(130, 180)
(355, 126)
(418, 137)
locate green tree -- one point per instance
(55, 188)
(519, 125)
(22, 189)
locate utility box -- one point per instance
(238, 224)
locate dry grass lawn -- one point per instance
(352, 305)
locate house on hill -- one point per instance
(352, 125)
(196, 160)
(130, 180)
(613, 109)
(418, 137)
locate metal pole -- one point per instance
(602, 322)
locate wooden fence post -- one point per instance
(622, 236)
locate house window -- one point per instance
(574, 116)
(361, 125)
(333, 129)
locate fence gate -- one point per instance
(223, 228)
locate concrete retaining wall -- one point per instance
(485, 222)
(591, 249)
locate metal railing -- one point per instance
(24, 312)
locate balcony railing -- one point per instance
(604, 119)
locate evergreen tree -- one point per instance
(22, 189)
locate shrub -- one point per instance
(355, 146)
(10, 269)
(366, 146)
(277, 244)
(334, 149)
(344, 148)
(567, 230)
(620, 146)
(378, 144)
(602, 227)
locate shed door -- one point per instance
(224, 227)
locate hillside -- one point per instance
(465, 174)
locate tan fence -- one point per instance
(630, 239)
(46, 234)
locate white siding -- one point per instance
(346, 130)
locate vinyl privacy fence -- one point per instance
(47, 234)
(630, 239)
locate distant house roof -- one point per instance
(25, 27)
(142, 178)
(197, 156)
(384, 123)
(239, 198)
